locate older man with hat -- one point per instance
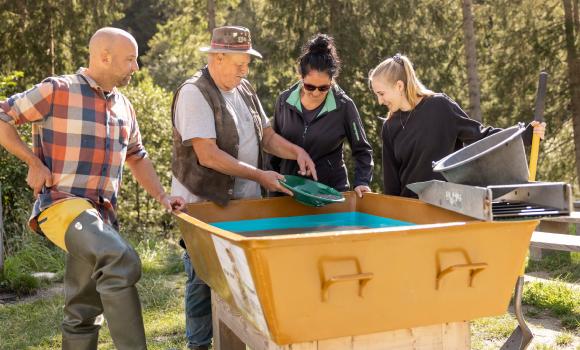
(220, 132)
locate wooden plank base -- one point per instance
(233, 332)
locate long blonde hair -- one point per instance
(396, 68)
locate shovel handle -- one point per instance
(541, 97)
(534, 157)
(539, 117)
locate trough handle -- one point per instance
(475, 268)
(362, 278)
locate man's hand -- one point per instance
(270, 181)
(171, 203)
(305, 164)
(38, 176)
(143, 171)
(360, 189)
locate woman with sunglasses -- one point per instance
(421, 126)
(317, 115)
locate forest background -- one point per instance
(485, 54)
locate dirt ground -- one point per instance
(9, 298)
(546, 329)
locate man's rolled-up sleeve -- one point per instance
(135, 148)
(32, 105)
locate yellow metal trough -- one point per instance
(311, 286)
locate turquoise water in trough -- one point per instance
(308, 223)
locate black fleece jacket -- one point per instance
(323, 138)
(413, 140)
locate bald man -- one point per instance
(84, 130)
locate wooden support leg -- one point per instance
(228, 340)
(223, 337)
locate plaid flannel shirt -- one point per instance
(82, 134)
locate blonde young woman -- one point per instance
(421, 126)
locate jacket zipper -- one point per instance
(304, 133)
(307, 125)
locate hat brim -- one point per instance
(208, 49)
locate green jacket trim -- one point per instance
(355, 131)
(329, 102)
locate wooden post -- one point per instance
(223, 336)
(1, 234)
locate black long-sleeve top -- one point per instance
(435, 128)
(323, 137)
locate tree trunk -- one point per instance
(51, 11)
(210, 15)
(471, 59)
(52, 58)
(576, 16)
(572, 29)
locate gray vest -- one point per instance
(199, 180)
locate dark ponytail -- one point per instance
(319, 54)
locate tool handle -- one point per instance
(539, 117)
(534, 157)
(541, 97)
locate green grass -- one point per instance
(160, 257)
(32, 325)
(490, 332)
(35, 325)
(560, 265)
(564, 339)
(556, 297)
(37, 255)
(544, 347)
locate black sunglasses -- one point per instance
(310, 87)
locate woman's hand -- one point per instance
(539, 128)
(360, 189)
